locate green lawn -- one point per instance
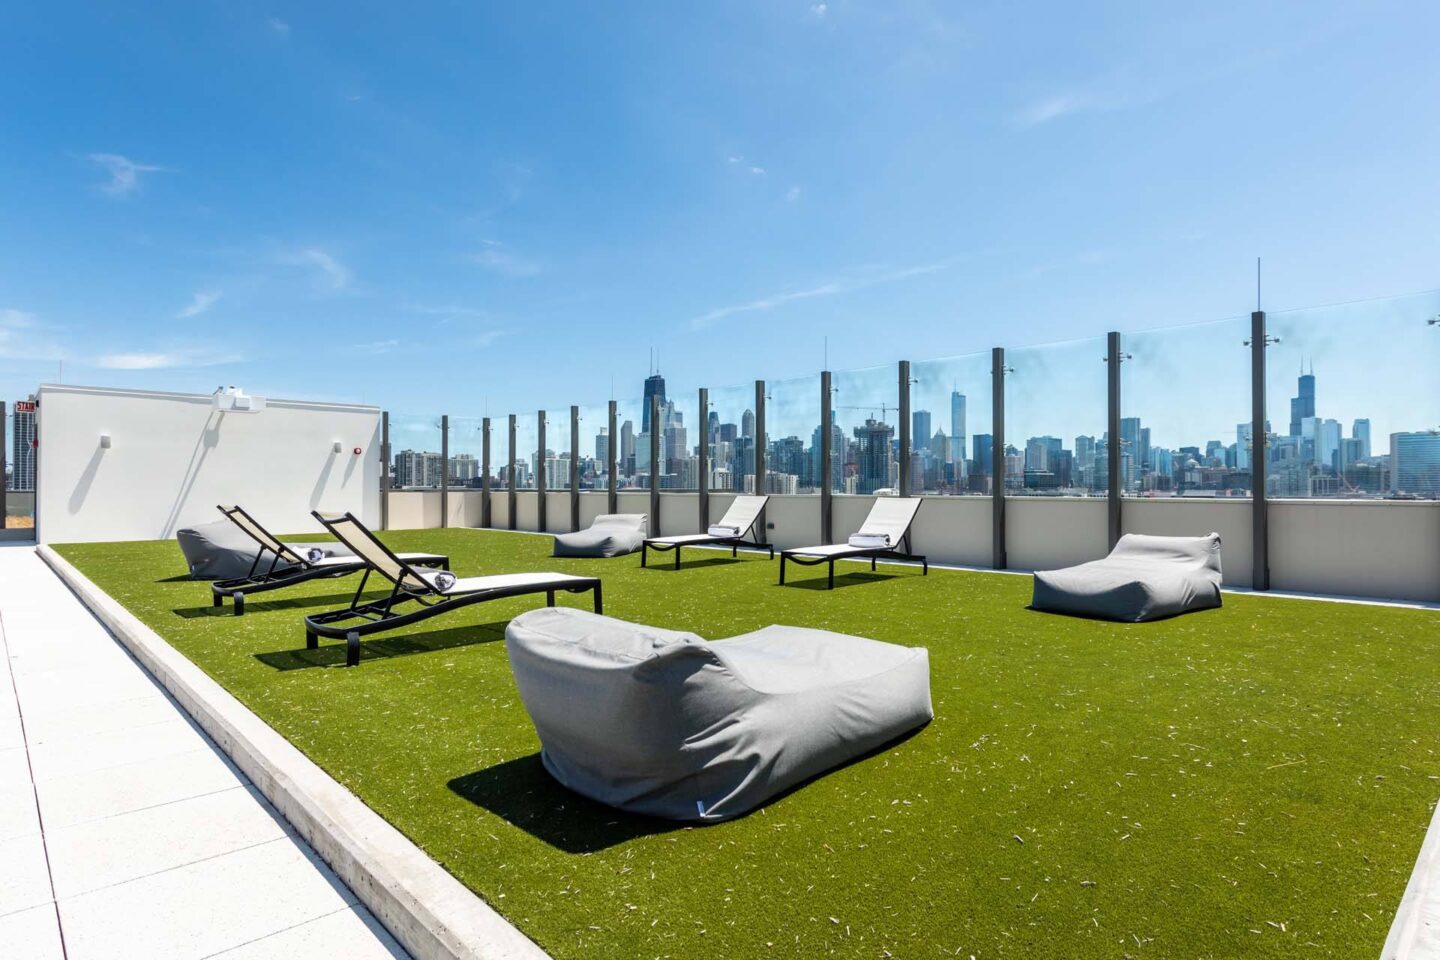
(1253, 781)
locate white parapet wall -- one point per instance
(139, 465)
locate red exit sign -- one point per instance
(24, 406)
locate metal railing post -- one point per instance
(1114, 445)
(510, 476)
(655, 468)
(540, 472)
(759, 456)
(485, 472)
(1259, 454)
(574, 468)
(997, 458)
(385, 470)
(444, 470)
(612, 499)
(827, 420)
(905, 429)
(702, 482)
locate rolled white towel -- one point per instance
(441, 580)
(870, 541)
(315, 554)
(722, 530)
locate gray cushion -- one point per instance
(662, 723)
(611, 535)
(222, 551)
(1143, 578)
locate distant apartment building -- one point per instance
(1415, 464)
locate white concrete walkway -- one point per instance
(124, 831)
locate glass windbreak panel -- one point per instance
(467, 451)
(951, 426)
(415, 452)
(792, 436)
(1185, 411)
(527, 439)
(1056, 400)
(680, 432)
(865, 450)
(632, 458)
(556, 455)
(1352, 398)
(730, 435)
(594, 444)
(18, 382)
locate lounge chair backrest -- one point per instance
(891, 516)
(379, 557)
(1199, 552)
(742, 513)
(259, 534)
(627, 521)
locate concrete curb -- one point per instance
(1415, 931)
(431, 914)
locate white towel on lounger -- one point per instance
(720, 530)
(870, 541)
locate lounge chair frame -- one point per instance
(749, 539)
(277, 575)
(379, 615)
(805, 557)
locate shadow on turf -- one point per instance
(332, 653)
(522, 793)
(841, 580)
(260, 606)
(694, 564)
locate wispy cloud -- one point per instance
(497, 258)
(486, 337)
(202, 300)
(281, 28)
(849, 283)
(1051, 108)
(23, 336)
(735, 160)
(124, 173)
(167, 359)
(330, 272)
(818, 10)
(792, 194)
(374, 348)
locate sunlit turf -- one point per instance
(1253, 781)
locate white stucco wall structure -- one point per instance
(172, 458)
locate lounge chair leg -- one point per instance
(239, 598)
(219, 600)
(782, 569)
(924, 567)
(772, 553)
(677, 556)
(599, 605)
(872, 564)
(352, 649)
(831, 585)
(644, 553)
(549, 598)
(734, 551)
(311, 641)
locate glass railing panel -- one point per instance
(527, 439)
(865, 447)
(730, 434)
(467, 452)
(792, 436)
(415, 461)
(951, 426)
(632, 458)
(594, 441)
(1353, 402)
(1185, 411)
(1056, 402)
(680, 433)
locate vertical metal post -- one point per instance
(485, 472)
(997, 458)
(702, 482)
(385, 470)
(444, 470)
(1259, 454)
(510, 475)
(3, 514)
(1114, 446)
(905, 428)
(827, 418)
(574, 468)
(540, 472)
(612, 500)
(759, 455)
(655, 467)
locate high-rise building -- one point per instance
(873, 455)
(920, 430)
(1327, 444)
(626, 464)
(602, 446)
(23, 446)
(464, 469)
(1303, 405)
(1039, 451)
(712, 427)
(984, 456)
(654, 387)
(957, 424)
(747, 425)
(1243, 435)
(1361, 431)
(1415, 464)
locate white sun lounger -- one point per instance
(885, 535)
(731, 530)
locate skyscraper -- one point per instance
(1303, 406)
(654, 387)
(1361, 431)
(984, 453)
(602, 445)
(920, 430)
(747, 425)
(872, 455)
(957, 425)
(1243, 432)
(1415, 463)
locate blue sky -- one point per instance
(499, 207)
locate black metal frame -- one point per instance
(855, 553)
(381, 615)
(276, 577)
(734, 543)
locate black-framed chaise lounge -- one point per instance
(292, 563)
(1144, 578)
(731, 531)
(885, 535)
(418, 594)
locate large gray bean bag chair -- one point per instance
(611, 535)
(1143, 578)
(222, 551)
(662, 723)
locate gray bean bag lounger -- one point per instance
(611, 535)
(222, 551)
(1143, 578)
(662, 723)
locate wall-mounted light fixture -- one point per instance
(338, 446)
(105, 441)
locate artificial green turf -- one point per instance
(1253, 781)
